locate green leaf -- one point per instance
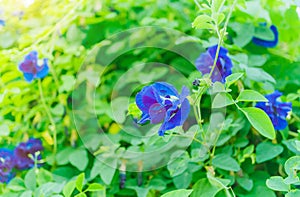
(178, 193)
(244, 33)
(257, 60)
(79, 182)
(251, 95)
(134, 111)
(258, 74)
(245, 183)
(179, 165)
(16, 184)
(260, 121)
(69, 188)
(30, 179)
(225, 162)
(105, 169)
(183, 180)
(4, 130)
(203, 188)
(74, 34)
(276, 183)
(264, 33)
(62, 157)
(202, 22)
(119, 108)
(293, 193)
(95, 187)
(217, 5)
(79, 159)
(58, 110)
(222, 99)
(43, 176)
(231, 79)
(291, 166)
(81, 195)
(27, 193)
(68, 83)
(266, 151)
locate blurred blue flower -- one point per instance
(2, 22)
(267, 43)
(30, 68)
(6, 165)
(160, 102)
(276, 110)
(223, 67)
(22, 153)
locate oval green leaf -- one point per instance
(260, 121)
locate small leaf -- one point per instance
(203, 188)
(95, 187)
(178, 193)
(293, 193)
(244, 33)
(30, 179)
(260, 121)
(222, 99)
(79, 159)
(266, 151)
(4, 130)
(178, 165)
(231, 79)
(27, 193)
(251, 95)
(202, 22)
(264, 33)
(81, 195)
(69, 188)
(225, 162)
(291, 166)
(79, 182)
(245, 183)
(276, 183)
(217, 5)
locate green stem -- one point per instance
(49, 116)
(197, 3)
(221, 36)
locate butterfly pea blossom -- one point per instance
(205, 61)
(160, 102)
(267, 43)
(276, 110)
(7, 163)
(30, 68)
(26, 151)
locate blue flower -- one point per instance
(160, 102)
(267, 43)
(276, 110)
(2, 22)
(23, 151)
(31, 69)
(6, 165)
(223, 67)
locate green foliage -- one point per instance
(232, 148)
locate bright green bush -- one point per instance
(101, 54)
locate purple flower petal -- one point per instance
(223, 65)
(22, 151)
(7, 163)
(267, 43)
(161, 102)
(157, 113)
(276, 110)
(30, 68)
